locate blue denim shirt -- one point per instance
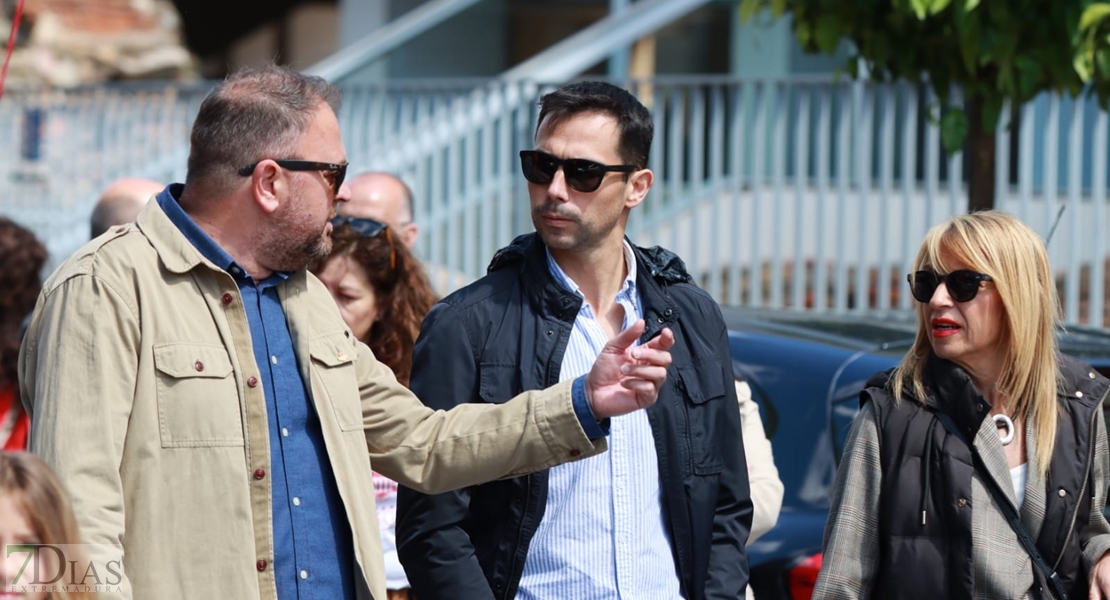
(314, 555)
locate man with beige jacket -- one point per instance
(209, 412)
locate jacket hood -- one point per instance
(665, 266)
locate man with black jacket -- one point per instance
(666, 513)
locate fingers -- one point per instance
(663, 341)
(624, 340)
(654, 374)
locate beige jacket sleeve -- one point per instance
(77, 378)
(763, 475)
(438, 451)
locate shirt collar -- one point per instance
(168, 200)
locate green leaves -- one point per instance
(953, 129)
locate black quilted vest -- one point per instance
(925, 507)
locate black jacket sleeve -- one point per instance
(436, 552)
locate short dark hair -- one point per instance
(255, 113)
(633, 118)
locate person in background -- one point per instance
(20, 282)
(984, 449)
(383, 295)
(384, 197)
(667, 512)
(199, 388)
(121, 202)
(35, 509)
(763, 476)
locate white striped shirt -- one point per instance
(603, 535)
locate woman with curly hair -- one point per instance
(383, 296)
(20, 279)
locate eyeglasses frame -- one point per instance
(561, 164)
(335, 173)
(979, 278)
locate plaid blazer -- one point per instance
(1001, 568)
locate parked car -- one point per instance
(806, 371)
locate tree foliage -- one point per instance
(994, 50)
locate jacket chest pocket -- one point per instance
(334, 381)
(198, 400)
(702, 388)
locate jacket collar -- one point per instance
(174, 249)
(656, 269)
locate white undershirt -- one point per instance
(1018, 476)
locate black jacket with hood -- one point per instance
(507, 333)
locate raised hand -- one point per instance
(624, 377)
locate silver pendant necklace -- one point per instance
(1001, 421)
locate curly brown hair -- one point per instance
(401, 291)
(20, 279)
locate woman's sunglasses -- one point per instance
(581, 174)
(368, 228)
(962, 285)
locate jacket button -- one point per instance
(575, 453)
(961, 502)
(668, 312)
(979, 407)
(199, 366)
(1062, 492)
(261, 565)
(259, 473)
(550, 332)
(226, 298)
(1079, 394)
(660, 320)
(252, 381)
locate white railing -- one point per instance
(810, 194)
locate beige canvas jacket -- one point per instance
(138, 372)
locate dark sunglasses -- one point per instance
(962, 285)
(581, 174)
(368, 228)
(334, 173)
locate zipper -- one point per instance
(1083, 490)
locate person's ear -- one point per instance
(639, 183)
(409, 233)
(269, 186)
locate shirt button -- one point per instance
(304, 574)
(296, 501)
(259, 473)
(575, 453)
(261, 565)
(284, 432)
(252, 381)
(121, 230)
(199, 366)
(273, 359)
(226, 298)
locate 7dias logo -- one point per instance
(55, 569)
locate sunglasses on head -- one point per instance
(368, 228)
(581, 174)
(962, 285)
(333, 173)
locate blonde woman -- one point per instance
(982, 435)
(34, 509)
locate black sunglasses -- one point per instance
(368, 228)
(962, 285)
(581, 174)
(334, 173)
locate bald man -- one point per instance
(121, 203)
(385, 198)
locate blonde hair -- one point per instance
(998, 244)
(35, 488)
